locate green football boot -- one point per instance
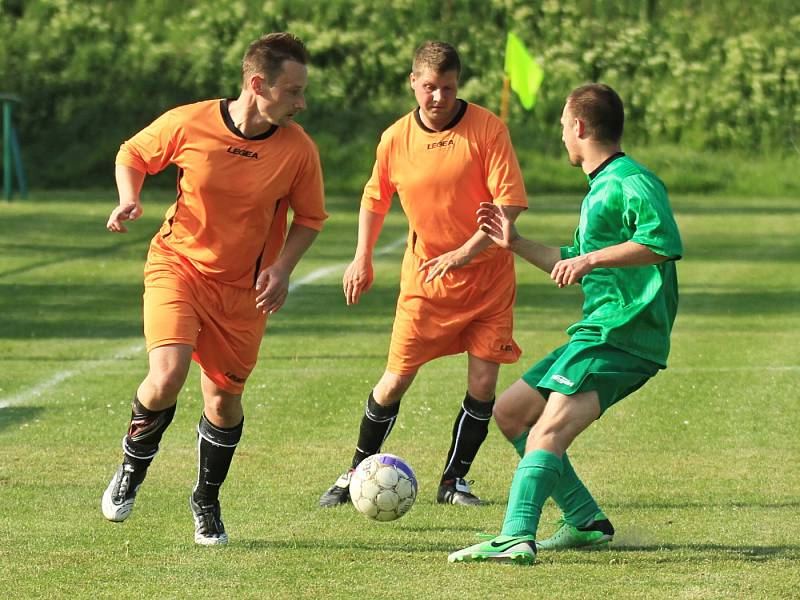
(519, 549)
(597, 533)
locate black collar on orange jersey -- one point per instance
(226, 117)
(453, 122)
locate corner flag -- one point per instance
(523, 71)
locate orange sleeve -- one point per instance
(153, 148)
(504, 177)
(379, 190)
(307, 198)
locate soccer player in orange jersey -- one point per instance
(456, 288)
(220, 263)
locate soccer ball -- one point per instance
(383, 487)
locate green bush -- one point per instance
(694, 76)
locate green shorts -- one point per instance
(586, 366)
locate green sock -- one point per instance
(520, 441)
(536, 476)
(573, 498)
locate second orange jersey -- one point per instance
(441, 177)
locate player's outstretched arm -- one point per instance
(440, 265)
(495, 223)
(627, 254)
(273, 282)
(359, 274)
(129, 186)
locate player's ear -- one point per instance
(412, 79)
(257, 84)
(579, 127)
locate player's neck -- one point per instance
(595, 155)
(440, 122)
(246, 116)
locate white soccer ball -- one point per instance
(383, 487)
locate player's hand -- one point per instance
(493, 222)
(123, 212)
(439, 266)
(273, 287)
(357, 279)
(570, 270)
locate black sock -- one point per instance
(140, 444)
(469, 431)
(376, 424)
(215, 448)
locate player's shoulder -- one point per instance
(400, 127)
(480, 113)
(634, 176)
(296, 134)
(187, 112)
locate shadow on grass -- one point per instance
(71, 310)
(793, 503)
(316, 544)
(58, 255)
(11, 416)
(743, 552)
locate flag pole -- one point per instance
(504, 99)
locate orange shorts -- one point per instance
(469, 310)
(219, 321)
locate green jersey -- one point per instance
(630, 308)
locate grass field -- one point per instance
(698, 470)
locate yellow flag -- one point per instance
(523, 71)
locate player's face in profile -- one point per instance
(570, 137)
(283, 98)
(436, 95)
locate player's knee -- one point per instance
(505, 420)
(223, 411)
(390, 390)
(167, 384)
(482, 386)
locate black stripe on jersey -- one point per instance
(453, 122)
(177, 199)
(226, 117)
(261, 254)
(258, 264)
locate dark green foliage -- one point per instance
(699, 75)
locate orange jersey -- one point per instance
(229, 219)
(442, 177)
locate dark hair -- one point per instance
(265, 56)
(600, 108)
(440, 57)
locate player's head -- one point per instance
(434, 79)
(274, 69)
(593, 114)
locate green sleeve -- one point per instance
(571, 251)
(648, 213)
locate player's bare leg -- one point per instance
(218, 433)
(469, 431)
(152, 410)
(379, 417)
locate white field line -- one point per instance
(52, 381)
(130, 351)
(324, 271)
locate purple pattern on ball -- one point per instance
(399, 463)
